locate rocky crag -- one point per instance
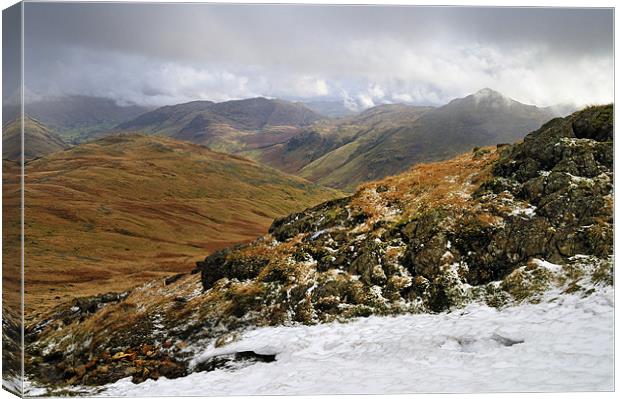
(498, 225)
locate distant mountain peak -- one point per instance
(487, 92)
(490, 98)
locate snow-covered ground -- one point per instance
(562, 344)
(12, 384)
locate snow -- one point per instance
(317, 234)
(528, 212)
(564, 343)
(552, 267)
(12, 383)
(579, 179)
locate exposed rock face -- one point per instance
(479, 227)
(566, 172)
(228, 263)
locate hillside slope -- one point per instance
(106, 215)
(336, 138)
(499, 226)
(483, 118)
(228, 126)
(38, 140)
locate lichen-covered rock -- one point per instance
(326, 215)
(239, 262)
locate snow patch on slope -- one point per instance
(564, 343)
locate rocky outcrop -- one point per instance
(549, 197)
(565, 170)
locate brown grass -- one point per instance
(447, 184)
(100, 216)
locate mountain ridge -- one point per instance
(480, 119)
(251, 113)
(230, 126)
(38, 140)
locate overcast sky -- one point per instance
(160, 54)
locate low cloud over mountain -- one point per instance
(160, 54)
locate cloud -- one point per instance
(402, 97)
(294, 85)
(168, 53)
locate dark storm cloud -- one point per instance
(161, 53)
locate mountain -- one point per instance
(38, 140)
(346, 151)
(256, 113)
(528, 223)
(228, 126)
(123, 209)
(76, 118)
(331, 109)
(164, 118)
(484, 118)
(333, 137)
